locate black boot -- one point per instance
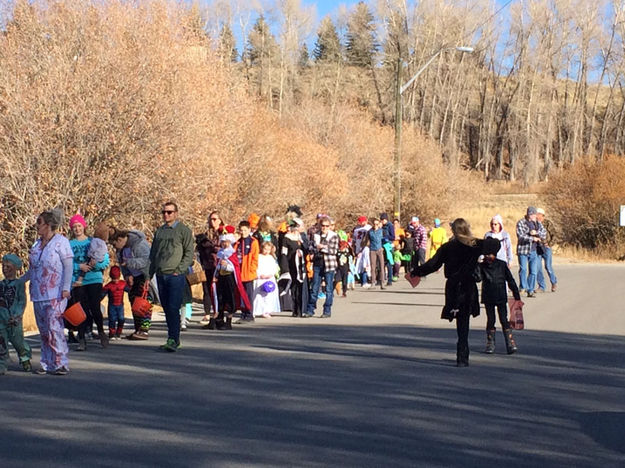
(211, 324)
(462, 355)
(220, 324)
(510, 343)
(229, 323)
(490, 341)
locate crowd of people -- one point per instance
(257, 268)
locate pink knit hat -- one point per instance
(77, 219)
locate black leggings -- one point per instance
(502, 311)
(89, 297)
(207, 297)
(225, 295)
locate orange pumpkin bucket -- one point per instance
(141, 307)
(75, 314)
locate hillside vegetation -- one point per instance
(109, 108)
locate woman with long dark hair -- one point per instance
(207, 246)
(459, 256)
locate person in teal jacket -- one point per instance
(12, 304)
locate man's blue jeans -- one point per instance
(319, 273)
(170, 289)
(547, 256)
(528, 281)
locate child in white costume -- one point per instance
(266, 297)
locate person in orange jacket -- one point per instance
(247, 251)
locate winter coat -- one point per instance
(247, 249)
(207, 251)
(139, 259)
(460, 263)
(494, 277)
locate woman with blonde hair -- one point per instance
(459, 256)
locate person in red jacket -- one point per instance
(247, 251)
(115, 292)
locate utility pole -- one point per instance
(399, 114)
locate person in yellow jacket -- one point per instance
(438, 236)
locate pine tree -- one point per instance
(328, 45)
(304, 57)
(261, 44)
(227, 49)
(361, 43)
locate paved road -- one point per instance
(373, 386)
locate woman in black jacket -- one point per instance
(459, 256)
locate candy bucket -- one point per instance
(75, 314)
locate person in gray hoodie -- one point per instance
(133, 255)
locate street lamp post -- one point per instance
(399, 114)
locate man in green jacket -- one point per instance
(171, 256)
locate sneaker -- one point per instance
(71, 338)
(170, 345)
(554, 287)
(395, 278)
(27, 366)
(41, 371)
(325, 316)
(321, 296)
(61, 371)
(540, 290)
(82, 345)
(531, 294)
(366, 285)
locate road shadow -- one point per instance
(323, 395)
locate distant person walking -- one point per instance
(420, 241)
(388, 230)
(530, 233)
(498, 232)
(545, 253)
(459, 256)
(171, 256)
(438, 236)
(324, 247)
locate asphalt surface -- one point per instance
(374, 386)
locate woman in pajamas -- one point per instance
(50, 274)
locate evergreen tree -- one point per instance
(227, 46)
(261, 44)
(304, 56)
(361, 43)
(328, 45)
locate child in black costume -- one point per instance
(495, 275)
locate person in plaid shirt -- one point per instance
(530, 234)
(324, 245)
(420, 241)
